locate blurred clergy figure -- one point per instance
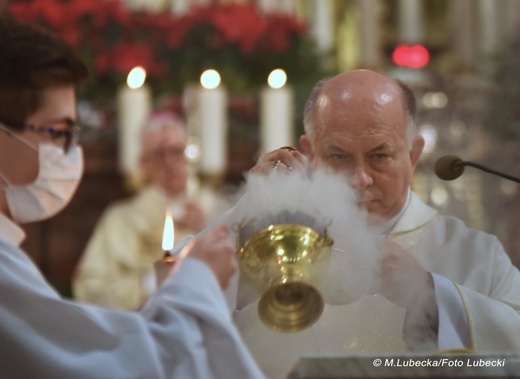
(116, 269)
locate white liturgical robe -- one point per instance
(476, 286)
(184, 331)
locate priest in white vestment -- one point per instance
(442, 286)
(116, 268)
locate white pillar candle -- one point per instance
(369, 33)
(410, 21)
(322, 25)
(276, 113)
(213, 125)
(133, 103)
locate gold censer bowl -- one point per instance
(284, 263)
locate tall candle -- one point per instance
(322, 25)
(213, 125)
(276, 113)
(410, 21)
(369, 34)
(134, 103)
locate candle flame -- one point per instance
(277, 78)
(136, 77)
(168, 233)
(210, 79)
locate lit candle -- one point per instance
(163, 267)
(134, 103)
(212, 106)
(276, 113)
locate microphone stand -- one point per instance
(459, 164)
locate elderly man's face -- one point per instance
(362, 132)
(163, 162)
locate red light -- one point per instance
(415, 56)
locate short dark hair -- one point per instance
(32, 60)
(409, 101)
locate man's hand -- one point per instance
(163, 269)
(403, 281)
(217, 250)
(283, 159)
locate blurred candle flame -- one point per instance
(168, 232)
(136, 77)
(210, 79)
(277, 78)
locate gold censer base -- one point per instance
(284, 262)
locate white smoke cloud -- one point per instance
(322, 201)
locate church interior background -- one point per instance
(461, 57)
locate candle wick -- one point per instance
(167, 253)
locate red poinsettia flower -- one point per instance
(173, 49)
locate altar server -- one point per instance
(184, 331)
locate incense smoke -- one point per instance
(324, 202)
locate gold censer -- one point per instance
(284, 263)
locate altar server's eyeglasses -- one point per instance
(63, 133)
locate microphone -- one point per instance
(450, 167)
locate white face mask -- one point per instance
(58, 178)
